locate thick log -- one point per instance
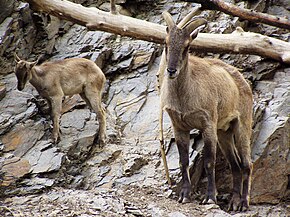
(95, 19)
(246, 14)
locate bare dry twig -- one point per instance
(246, 14)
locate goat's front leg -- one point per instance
(182, 141)
(56, 105)
(210, 143)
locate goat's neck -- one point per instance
(174, 90)
(184, 76)
(34, 79)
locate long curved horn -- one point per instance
(17, 59)
(32, 64)
(168, 19)
(191, 26)
(196, 10)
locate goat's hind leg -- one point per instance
(227, 145)
(182, 141)
(242, 139)
(95, 101)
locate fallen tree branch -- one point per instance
(246, 14)
(95, 19)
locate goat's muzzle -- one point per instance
(171, 73)
(20, 87)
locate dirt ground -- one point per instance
(121, 202)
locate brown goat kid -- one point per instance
(213, 97)
(54, 80)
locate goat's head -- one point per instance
(23, 71)
(177, 42)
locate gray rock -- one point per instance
(155, 210)
(176, 214)
(122, 52)
(2, 90)
(5, 29)
(12, 169)
(103, 167)
(7, 7)
(78, 39)
(31, 186)
(133, 164)
(25, 13)
(36, 184)
(44, 158)
(15, 107)
(23, 137)
(133, 210)
(75, 119)
(101, 57)
(271, 149)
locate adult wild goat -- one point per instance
(213, 97)
(54, 80)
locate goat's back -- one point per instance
(226, 86)
(71, 66)
(70, 75)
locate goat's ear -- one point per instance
(168, 19)
(16, 58)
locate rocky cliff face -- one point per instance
(130, 160)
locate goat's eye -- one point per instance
(167, 29)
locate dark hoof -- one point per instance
(183, 200)
(184, 195)
(209, 199)
(238, 204)
(55, 140)
(100, 143)
(244, 205)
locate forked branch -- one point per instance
(246, 14)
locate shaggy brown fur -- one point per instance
(54, 80)
(209, 95)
